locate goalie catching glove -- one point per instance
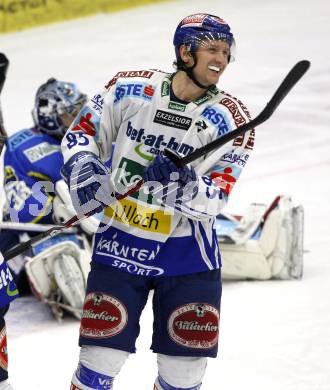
(89, 183)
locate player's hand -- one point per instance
(89, 183)
(162, 170)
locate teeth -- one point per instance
(215, 68)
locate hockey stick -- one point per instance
(53, 231)
(4, 63)
(287, 84)
(32, 227)
(285, 87)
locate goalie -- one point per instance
(57, 268)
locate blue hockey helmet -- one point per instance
(197, 29)
(56, 105)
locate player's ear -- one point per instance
(185, 55)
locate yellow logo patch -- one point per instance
(141, 217)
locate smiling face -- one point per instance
(212, 60)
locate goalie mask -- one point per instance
(56, 105)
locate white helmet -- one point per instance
(56, 105)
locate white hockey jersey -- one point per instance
(134, 111)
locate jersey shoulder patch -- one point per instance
(235, 106)
(128, 74)
(240, 115)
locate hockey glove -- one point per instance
(63, 210)
(89, 183)
(172, 180)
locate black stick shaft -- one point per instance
(4, 64)
(287, 84)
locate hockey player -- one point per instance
(33, 160)
(33, 156)
(163, 237)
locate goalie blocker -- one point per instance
(266, 243)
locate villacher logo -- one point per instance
(103, 316)
(194, 325)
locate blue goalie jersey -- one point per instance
(32, 166)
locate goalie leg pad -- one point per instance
(286, 255)
(5, 385)
(277, 252)
(60, 273)
(180, 372)
(244, 262)
(297, 262)
(70, 280)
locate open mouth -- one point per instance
(214, 68)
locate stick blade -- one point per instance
(295, 74)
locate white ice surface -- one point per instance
(274, 335)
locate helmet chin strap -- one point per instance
(190, 73)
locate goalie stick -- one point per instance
(285, 87)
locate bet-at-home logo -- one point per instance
(155, 143)
(129, 173)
